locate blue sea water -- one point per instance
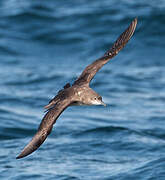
(44, 45)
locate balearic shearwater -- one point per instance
(78, 94)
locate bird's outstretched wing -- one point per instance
(45, 127)
(90, 71)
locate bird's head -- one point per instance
(92, 98)
(88, 96)
(97, 100)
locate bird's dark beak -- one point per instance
(102, 103)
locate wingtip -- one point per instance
(18, 157)
(34, 144)
(135, 20)
(22, 155)
(131, 28)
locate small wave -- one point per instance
(8, 51)
(110, 130)
(151, 170)
(155, 133)
(34, 16)
(34, 81)
(14, 133)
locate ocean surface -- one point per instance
(46, 44)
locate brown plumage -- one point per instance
(78, 94)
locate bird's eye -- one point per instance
(95, 98)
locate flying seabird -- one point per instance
(77, 94)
